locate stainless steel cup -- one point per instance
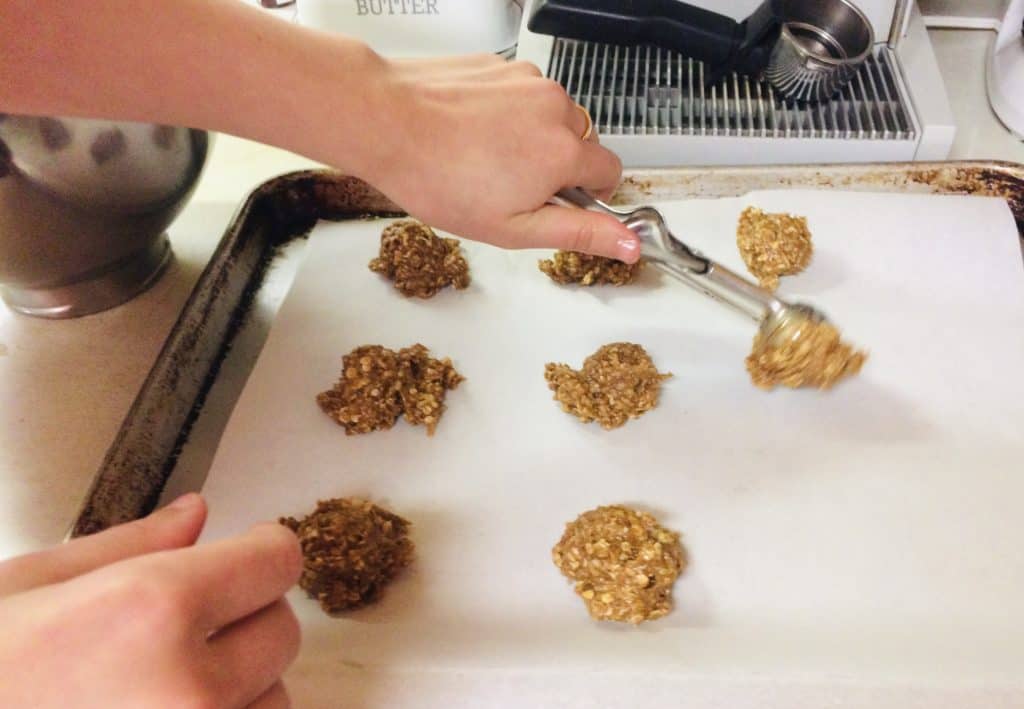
(83, 209)
(821, 46)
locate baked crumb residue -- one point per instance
(418, 261)
(623, 563)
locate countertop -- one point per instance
(66, 385)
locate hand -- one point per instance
(138, 617)
(477, 145)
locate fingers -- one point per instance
(175, 526)
(275, 698)
(238, 576)
(250, 656)
(598, 170)
(574, 230)
(580, 122)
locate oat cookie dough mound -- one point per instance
(418, 261)
(568, 267)
(623, 563)
(817, 358)
(617, 383)
(378, 385)
(351, 550)
(773, 245)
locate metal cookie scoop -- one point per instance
(778, 319)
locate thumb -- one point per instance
(175, 526)
(575, 230)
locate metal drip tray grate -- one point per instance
(651, 91)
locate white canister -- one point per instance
(420, 28)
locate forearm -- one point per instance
(472, 145)
(215, 64)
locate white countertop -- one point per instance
(66, 385)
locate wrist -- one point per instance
(342, 113)
(380, 123)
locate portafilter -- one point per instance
(807, 49)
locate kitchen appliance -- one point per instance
(83, 208)
(420, 28)
(1005, 75)
(807, 50)
(656, 107)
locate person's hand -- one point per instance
(477, 146)
(138, 617)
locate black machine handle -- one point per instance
(717, 40)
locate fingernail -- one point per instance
(185, 501)
(627, 250)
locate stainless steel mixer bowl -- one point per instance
(821, 46)
(83, 209)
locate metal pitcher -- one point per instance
(83, 209)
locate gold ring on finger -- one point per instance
(589, 130)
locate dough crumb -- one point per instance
(418, 261)
(568, 267)
(773, 245)
(623, 563)
(378, 385)
(817, 357)
(617, 383)
(351, 550)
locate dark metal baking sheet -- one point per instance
(157, 426)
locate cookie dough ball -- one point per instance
(816, 358)
(424, 384)
(568, 267)
(418, 261)
(378, 385)
(351, 551)
(773, 245)
(366, 397)
(617, 383)
(623, 563)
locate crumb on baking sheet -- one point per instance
(616, 383)
(815, 357)
(418, 261)
(568, 267)
(623, 563)
(773, 245)
(378, 385)
(351, 550)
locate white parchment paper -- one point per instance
(873, 533)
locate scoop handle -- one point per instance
(717, 40)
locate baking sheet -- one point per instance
(872, 533)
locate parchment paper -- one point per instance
(867, 535)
